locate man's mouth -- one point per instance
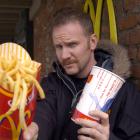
(66, 65)
(67, 62)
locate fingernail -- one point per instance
(27, 137)
(76, 120)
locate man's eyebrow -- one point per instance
(71, 43)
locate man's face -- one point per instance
(74, 50)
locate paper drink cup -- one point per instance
(98, 94)
(10, 127)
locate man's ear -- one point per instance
(93, 41)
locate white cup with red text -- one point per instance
(99, 92)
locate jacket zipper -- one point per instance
(75, 95)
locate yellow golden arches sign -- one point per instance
(15, 128)
(96, 17)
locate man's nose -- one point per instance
(65, 53)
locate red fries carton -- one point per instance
(19, 77)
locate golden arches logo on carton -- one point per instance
(15, 129)
(96, 17)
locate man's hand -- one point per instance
(92, 130)
(31, 133)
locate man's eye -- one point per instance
(72, 45)
(58, 46)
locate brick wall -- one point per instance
(128, 25)
(128, 21)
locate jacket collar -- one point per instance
(117, 54)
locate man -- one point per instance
(76, 52)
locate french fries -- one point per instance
(18, 76)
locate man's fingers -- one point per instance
(86, 123)
(82, 137)
(31, 133)
(35, 137)
(91, 132)
(104, 118)
(90, 124)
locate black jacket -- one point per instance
(53, 114)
